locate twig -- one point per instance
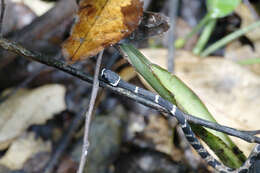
(50, 61)
(173, 6)
(2, 17)
(204, 37)
(89, 113)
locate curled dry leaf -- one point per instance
(22, 149)
(29, 107)
(99, 24)
(152, 24)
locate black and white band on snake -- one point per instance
(114, 79)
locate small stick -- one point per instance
(173, 6)
(94, 92)
(2, 17)
(58, 64)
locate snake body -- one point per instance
(114, 79)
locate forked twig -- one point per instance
(173, 8)
(89, 113)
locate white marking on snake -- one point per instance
(136, 89)
(185, 124)
(173, 109)
(201, 150)
(194, 143)
(102, 72)
(157, 98)
(209, 158)
(116, 83)
(188, 135)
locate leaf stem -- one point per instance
(249, 61)
(204, 37)
(229, 38)
(179, 43)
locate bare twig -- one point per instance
(89, 113)
(173, 6)
(50, 61)
(2, 17)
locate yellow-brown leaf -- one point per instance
(99, 24)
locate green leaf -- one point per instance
(192, 104)
(221, 8)
(222, 150)
(249, 61)
(186, 98)
(141, 64)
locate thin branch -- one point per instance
(50, 61)
(173, 7)
(89, 113)
(2, 17)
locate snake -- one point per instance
(115, 80)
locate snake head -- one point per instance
(111, 77)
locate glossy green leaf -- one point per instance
(185, 97)
(221, 8)
(188, 100)
(222, 150)
(141, 64)
(190, 103)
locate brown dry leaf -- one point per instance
(99, 24)
(235, 51)
(152, 24)
(127, 73)
(230, 91)
(158, 132)
(29, 107)
(248, 17)
(37, 162)
(67, 166)
(4, 169)
(22, 149)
